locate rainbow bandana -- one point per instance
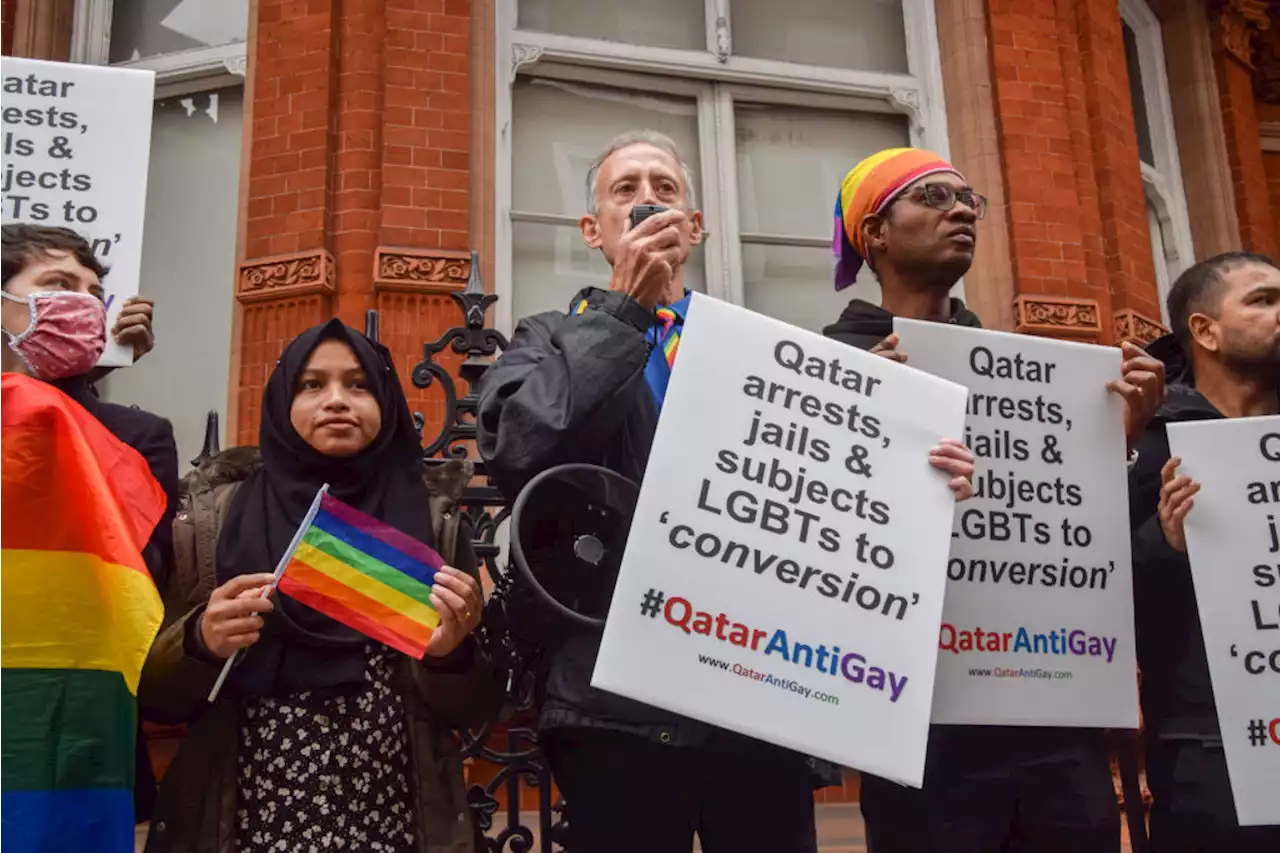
(868, 189)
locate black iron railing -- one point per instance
(512, 748)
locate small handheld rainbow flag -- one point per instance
(366, 575)
(360, 571)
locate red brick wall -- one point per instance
(1248, 174)
(425, 179)
(1126, 241)
(1076, 209)
(359, 139)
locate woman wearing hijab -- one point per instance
(322, 739)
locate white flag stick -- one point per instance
(285, 560)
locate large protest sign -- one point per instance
(785, 567)
(76, 144)
(1038, 624)
(1233, 540)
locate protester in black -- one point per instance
(912, 218)
(1222, 360)
(587, 386)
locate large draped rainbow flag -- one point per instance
(78, 612)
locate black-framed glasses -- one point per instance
(944, 197)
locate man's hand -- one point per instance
(233, 620)
(456, 597)
(1176, 500)
(133, 326)
(888, 348)
(647, 257)
(951, 455)
(1141, 384)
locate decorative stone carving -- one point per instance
(1129, 325)
(908, 101)
(285, 276)
(1057, 317)
(1266, 60)
(237, 65)
(422, 270)
(522, 55)
(1235, 23)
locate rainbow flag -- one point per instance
(367, 575)
(78, 612)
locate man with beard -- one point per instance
(1223, 361)
(912, 218)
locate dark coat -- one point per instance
(864, 325)
(571, 388)
(196, 808)
(1177, 698)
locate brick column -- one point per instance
(357, 150)
(1075, 205)
(1236, 23)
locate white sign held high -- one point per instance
(785, 568)
(1038, 625)
(1233, 540)
(77, 139)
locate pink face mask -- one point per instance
(66, 334)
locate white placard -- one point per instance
(1038, 624)
(1234, 546)
(785, 567)
(77, 139)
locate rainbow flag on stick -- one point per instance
(79, 613)
(362, 572)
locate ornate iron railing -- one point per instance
(512, 747)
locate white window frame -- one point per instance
(1161, 180)
(182, 72)
(713, 77)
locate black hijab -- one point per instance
(300, 648)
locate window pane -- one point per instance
(560, 128)
(791, 161)
(867, 35)
(654, 23)
(1138, 97)
(551, 264)
(794, 284)
(143, 28)
(195, 154)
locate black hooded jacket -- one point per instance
(1177, 699)
(864, 325)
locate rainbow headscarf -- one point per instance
(868, 189)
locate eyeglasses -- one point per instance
(944, 197)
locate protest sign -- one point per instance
(1038, 624)
(1233, 540)
(77, 139)
(784, 572)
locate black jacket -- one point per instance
(1177, 699)
(864, 325)
(571, 388)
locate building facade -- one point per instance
(320, 157)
